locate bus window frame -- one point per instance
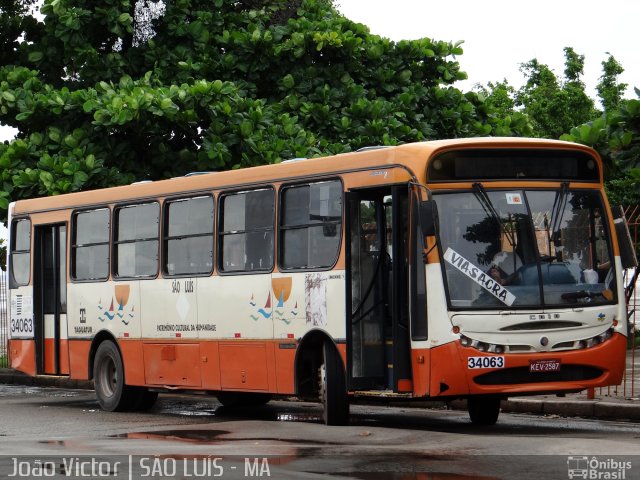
(11, 278)
(521, 308)
(164, 217)
(114, 243)
(280, 229)
(219, 232)
(73, 245)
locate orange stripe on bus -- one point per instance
(23, 355)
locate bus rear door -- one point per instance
(50, 299)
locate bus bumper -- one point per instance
(454, 374)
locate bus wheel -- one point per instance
(333, 388)
(108, 374)
(145, 399)
(243, 399)
(483, 410)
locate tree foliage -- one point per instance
(616, 136)
(555, 105)
(16, 22)
(610, 90)
(107, 91)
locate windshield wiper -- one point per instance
(485, 201)
(557, 211)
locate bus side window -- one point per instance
(20, 252)
(90, 245)
(188, 236)
(136, 240)
(310, 225)
(246, 231)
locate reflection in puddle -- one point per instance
(413, 476)
(298, 417)
(195, 436)
(210, 437)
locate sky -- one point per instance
(499, 35)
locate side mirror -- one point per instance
(625, 244)
(428, 218)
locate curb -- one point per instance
(9, 376)
(605, 410)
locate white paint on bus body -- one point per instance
(252, 306)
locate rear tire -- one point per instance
(483, 410)
(108, 374)
(333, 388)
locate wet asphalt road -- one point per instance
(184, 435)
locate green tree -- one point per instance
(16, 25)
(616, 136)
(500, 95)
(108, 91)
(610, 91)
(555, 105)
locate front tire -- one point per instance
(108, 374)
(333, 388)
(483, 410)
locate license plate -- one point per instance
(550, 365)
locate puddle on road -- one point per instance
(209, 437)
(411, 476)
(194, 436)
(299, 417)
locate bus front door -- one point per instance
(378, 344)
(50, 300)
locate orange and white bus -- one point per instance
(476, 268)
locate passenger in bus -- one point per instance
(499, 275)
(504, 266)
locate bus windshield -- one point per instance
(525, 248)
